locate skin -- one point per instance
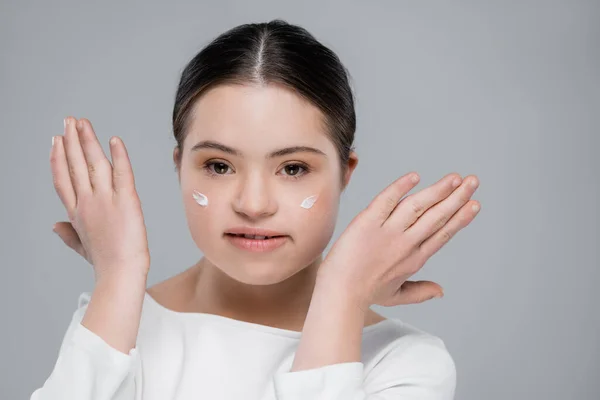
(292, 288)
(382, 247)
(274, 288)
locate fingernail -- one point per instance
(438, 296)
(52, 140)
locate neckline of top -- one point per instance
(235, 322)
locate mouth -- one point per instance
(254, 233)
(256, 240)
(254, 237)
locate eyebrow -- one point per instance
(210, 144)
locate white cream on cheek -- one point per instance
(200, 198)
(308, 202)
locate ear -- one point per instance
(176, 154)
(352, 163)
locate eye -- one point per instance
(216, 168)
(295, 170)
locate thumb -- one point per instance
(69, 236)
(412, 292)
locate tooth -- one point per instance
(253, 236)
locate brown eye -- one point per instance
(217, 168)
(292, 169)
(295, 171)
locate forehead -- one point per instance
(257, 118)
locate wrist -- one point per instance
(334, 286)
(127, 275)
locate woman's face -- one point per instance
(227, 156)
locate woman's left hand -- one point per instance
(391, 240)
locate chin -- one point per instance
(258, 272)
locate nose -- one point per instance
(254, 199)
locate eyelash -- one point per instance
(207, 168)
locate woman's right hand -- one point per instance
(106, 224)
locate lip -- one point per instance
(246, 230)
(255, 245)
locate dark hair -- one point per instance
(277, 52)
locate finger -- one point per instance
(438, 216)
(60, 175)
(461, 219)
(99, 168)
(76, 160)
(69, 236)
(412, 207)
(384, 203)
(413, 292)
(122, 172)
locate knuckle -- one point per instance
(407, 269)
(60, 191)
(444, 236)
(128, 196)
(459, 218)
(91, 167)
(421, 255)
(72, 217)
(85, 200)
(56, 182)
(72, 170)
(99, 167)
(119, 173)
(416, 207)
(363, 215)
(390, 203)
(416, 263)
(411, 240)
(413, 269)
(440, 221)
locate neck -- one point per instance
(282, 305)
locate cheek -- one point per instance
(203, 221)
(314, 226)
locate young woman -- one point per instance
(264, 122)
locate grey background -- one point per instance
(506, 90)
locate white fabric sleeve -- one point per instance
(416, 368)
(88, 368)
